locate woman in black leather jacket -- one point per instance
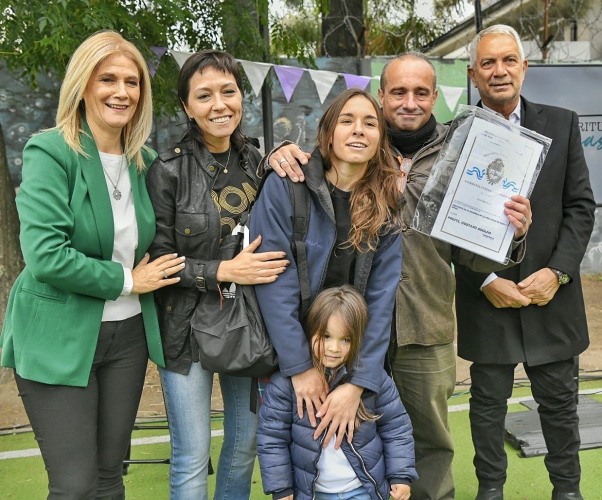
(199, 189)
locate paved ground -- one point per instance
(12, 414)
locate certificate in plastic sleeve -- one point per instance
(485, 160)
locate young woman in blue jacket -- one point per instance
(351, 238)
(378, 462)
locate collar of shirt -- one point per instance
(514, 116)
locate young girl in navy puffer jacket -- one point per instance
(377, 462)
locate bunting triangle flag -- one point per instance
(451, 95)
(289, 79)
(324, 81)
(180, 57)
(159, 52)
(256, 73)
(152, 69)
(356, 81)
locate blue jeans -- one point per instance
(357, 494)
(188, 404)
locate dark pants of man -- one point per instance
(555, 390)
(84, 432)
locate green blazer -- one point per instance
(55, 307)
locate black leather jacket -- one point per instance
(188, 223)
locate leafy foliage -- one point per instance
(392, 26)
(240, 25)
(389, 38)
(41, 35)
(297, 36)
(528, 19)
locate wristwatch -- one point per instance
(563, 278)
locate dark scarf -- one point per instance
(409, 142)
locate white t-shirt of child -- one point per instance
(335, 474)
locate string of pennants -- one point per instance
(290, 76)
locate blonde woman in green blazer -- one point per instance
(80, 323)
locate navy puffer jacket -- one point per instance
(381, 453)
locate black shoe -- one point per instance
(566, 495)
(490, 493)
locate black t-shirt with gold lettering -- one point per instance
(233, 191)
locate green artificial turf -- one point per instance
(25, 478)
(527, 477)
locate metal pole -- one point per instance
(546, 16)
(574, 30)
(266, 91)
(478, 16)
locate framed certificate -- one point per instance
(484, 161)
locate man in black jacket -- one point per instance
(532, 313)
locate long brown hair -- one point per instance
(351, 308)
(374, 205)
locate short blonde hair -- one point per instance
(84, 61)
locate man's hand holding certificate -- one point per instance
(484, 162)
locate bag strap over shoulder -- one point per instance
(300, 202)
(300, 205)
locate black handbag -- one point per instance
(228, 327)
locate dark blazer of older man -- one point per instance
(544, 338)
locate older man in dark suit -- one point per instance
(532, 313)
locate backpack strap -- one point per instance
(300, 202)
(363, 266)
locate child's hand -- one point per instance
(400, 491)
(290, 497)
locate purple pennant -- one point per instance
(159, 52)
(289, 79)
(356, 81)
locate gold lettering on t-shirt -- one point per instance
(233, 201)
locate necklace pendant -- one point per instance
(117, 194)
(226, 170)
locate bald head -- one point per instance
(405, 56)
(408, 91)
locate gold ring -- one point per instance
(524, 221)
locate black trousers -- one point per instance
(84, 432)
(555, 390)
